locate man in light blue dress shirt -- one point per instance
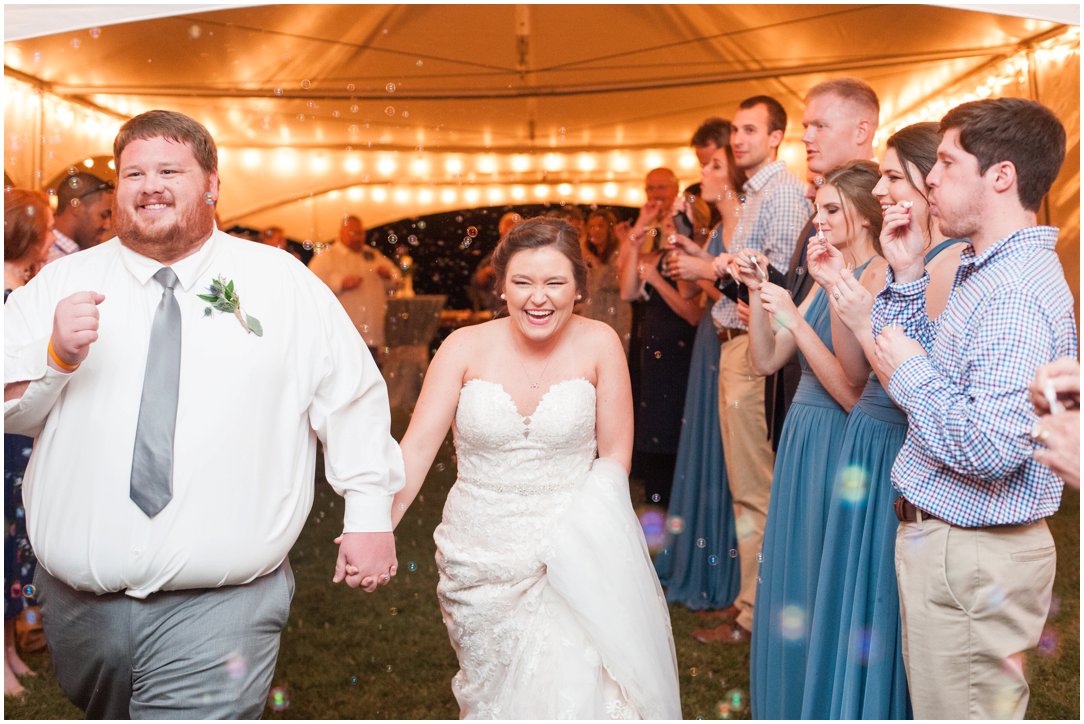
(974, 557)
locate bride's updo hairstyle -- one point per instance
(537, 233)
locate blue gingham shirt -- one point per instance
(773, 214)
(967, 455)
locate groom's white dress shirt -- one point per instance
(250, 412)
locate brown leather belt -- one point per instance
(728, 333)
(906, 512)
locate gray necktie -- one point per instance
(152, 462)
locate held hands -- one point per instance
(824, 262)
(902, 243)
(75, 328)
(893, 348)
(721, 265)
(777, 302)
(690, 266)
(851, 302)
(366, 560)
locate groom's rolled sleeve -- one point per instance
(352, 418)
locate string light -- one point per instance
(1011, 71)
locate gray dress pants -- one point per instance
(197, 654)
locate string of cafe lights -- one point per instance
(449, 179)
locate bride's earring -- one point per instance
(579, 297)
(503, 297)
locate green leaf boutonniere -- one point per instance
(221, 296)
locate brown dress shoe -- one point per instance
(730, 633)
(723, 615)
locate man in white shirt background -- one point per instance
(362, 278)
(83, 213)
(177, 380)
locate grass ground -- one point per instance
(349, 655)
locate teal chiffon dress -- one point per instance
(805, 467)
(699, 565)
(855, 651)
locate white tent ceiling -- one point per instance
(393, 110)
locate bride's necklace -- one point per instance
(536, 384)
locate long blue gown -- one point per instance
(794, 536)
(699, 566)
(855, 647)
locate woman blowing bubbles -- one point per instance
(849, 219)
(546, 586)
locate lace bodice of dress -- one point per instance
(551, 449)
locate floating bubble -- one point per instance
(393, 239)
(95, 33)
(388, 668)
(421, 225)
(693, 671)
(733, 552)
(390, 87)
(74, 203)
(306, 84)
(658, 354)
(792, 622)
(76, 42)
(354, 680)
(652, 523)
(1048, 642)
(405, 114)
(301, 116)
(393, 611)
(280, 700)
(354, 108)
(336, 114)
(32, 616)
(853, 484)
(472, 231)
(278, 91)
(350, 87)
(236, 667)
(419, 62)
(701, 543)
(307, 244)
(29, 590)
(459, 219)
(390, 110)
(73, 182)
(412, 566)
(675, 524)
(713, 560)
(412, 240)
(194, 32)
(465, 244)
(736, 699)
(655, 497)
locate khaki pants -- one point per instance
(972, 601)
(749, 462)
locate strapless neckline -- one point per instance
(526, 419)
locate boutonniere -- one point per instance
(221, 296)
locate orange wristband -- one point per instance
(63, 365)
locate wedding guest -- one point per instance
(601, 249)
(774, 210)
(854, 639)
(275, 237)
(850, 219)
(482, 292)
(362, 278)
(662, 344)
(974, 500)
(1058, 429)
(28, 222)
(176, 442)
(839, 123)
(83, 210)
(545, 583)
(699, 566)
(710, 136)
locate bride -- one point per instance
(546, 585)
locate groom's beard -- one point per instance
(166, 239)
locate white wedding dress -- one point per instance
(546, 584)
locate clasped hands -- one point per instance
(365, 560)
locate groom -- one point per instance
(177, 380)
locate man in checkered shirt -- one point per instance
(974, 558)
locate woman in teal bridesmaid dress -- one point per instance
(855, 656)
(849, 220)
(698, 566)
